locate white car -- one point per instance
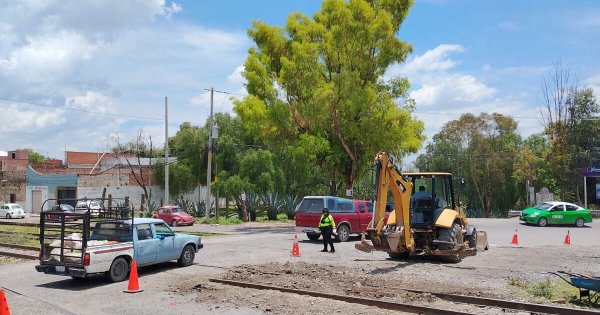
(96, 207)
(11, 210)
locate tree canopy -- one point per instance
(321, 80)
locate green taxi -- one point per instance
(556, 212)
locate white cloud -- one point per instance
(594, 83)
(450, 91)
(236, 77)
(432, 60)
(107, 57)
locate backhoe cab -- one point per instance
(426, 219)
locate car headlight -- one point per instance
(535, 214)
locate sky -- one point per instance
(76, 75)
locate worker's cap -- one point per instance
(325, 210)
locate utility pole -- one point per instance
(210, 149)
(166, 154)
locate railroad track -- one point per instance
(19, 251)
(502, 305)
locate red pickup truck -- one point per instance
(351, 216)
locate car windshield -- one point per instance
(543, 206)
(66, 207)
(177, 210)
(16, 207)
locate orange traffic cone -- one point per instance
(295, 247)
(515, 239)
(133, 286)
(568, 238)
(3, 304)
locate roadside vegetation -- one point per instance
(20, 235)
(549, 290)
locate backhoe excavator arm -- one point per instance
(388, 178)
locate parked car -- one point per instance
(11, 210)
(96, 207)
(66, 209)
(556, 212)
(174, 216)
(351, 216)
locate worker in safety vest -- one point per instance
(327, 227)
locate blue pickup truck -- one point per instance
(108, 246)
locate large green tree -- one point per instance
(482, 149)
(323, 78)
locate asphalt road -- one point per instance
(30, 292)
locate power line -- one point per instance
(79, 110)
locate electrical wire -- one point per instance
(80, 110)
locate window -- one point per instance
(162, 230)
(144, 232)
(311, 205)
(344, 206)
(571, 207)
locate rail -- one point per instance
(419, 309)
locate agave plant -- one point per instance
(198, 208)
(289, 204)
(272, 203)
(150, 208)
(253, 204)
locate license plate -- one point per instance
(60, 269)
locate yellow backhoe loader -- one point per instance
(428, 221)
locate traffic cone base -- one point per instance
(567, 239)
(515, 239)
(133, 286)
(3, 304)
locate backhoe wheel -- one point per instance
(343, 233)
(453, 235)
(313, 236)
(399, 256)
(472, 239)
(119, 269)
(187, 256)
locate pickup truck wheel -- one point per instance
(187, 256)
(174, 223)
(119, 269)
(343, 233)
(313, 236)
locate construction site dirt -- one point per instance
(262, 253)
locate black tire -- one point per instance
(8, 216)
(455, 237)
(472, 239)
(579, 222)
(313, 236)
(174, 223)
(187, 256)
(343, 233)
(399, 256)
(119, 270)
(542, 222)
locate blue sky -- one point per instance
(123, 58)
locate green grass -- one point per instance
(543, 291)
(23, 235)
(204, 234)
(281, 217)
(233, 220)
